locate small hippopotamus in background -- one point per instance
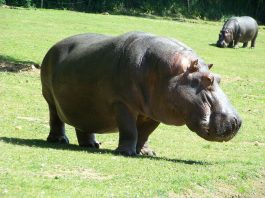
(238, 29)
(132, 83)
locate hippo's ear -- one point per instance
(210, 66)
(194, 66)
(207, 80)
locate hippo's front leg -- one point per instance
(231, 44)
(236, 44)
(86, 139)
(126, 121)
(145, 127)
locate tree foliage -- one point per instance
(205, 9)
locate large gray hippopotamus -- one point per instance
(131, 83)
(238, 29)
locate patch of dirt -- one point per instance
(256, 143)
(225, 191)
(187, 194)
(222, 191)
(62, 172)
(239, 79)
(31, 119)
(258, 187)
(3, 170)
(231, 79)
(18, 67)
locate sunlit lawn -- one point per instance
(185, 164)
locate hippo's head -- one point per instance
(203, 105)
(225, 38)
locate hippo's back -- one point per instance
(60, 52)
(247, 22)
(248, 28)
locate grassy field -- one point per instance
(186, 165)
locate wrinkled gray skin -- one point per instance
(132, 82)
(238, 29)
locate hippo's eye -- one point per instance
(194, 82)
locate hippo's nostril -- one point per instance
(239, 122)
(236, 123)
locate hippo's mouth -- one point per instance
(221, 44)
(221, 132)
(213, 136)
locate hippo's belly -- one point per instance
(247, 35)
(88, 113)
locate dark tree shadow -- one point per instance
(44, 144)
(11, 64)
(150, 16)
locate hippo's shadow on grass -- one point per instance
(232, 48)
(212, 44)
(44, 144)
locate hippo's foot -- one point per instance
(126, 151)
(144, 149)
(86, 139)
(91, 144)
(147, 151)
(62, 139)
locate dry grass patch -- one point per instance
(80, 172)
(258, 187)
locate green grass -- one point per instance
(185, 165)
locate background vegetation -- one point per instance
(186, 165)
(204, 9)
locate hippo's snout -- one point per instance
(220, 128)
(221, 44)
(223, 127)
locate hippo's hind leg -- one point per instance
(253, 41)
(145, 127)
(86, 139)
(245, 44)
(57, 129)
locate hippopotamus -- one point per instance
(131, 83)
(238, 29)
